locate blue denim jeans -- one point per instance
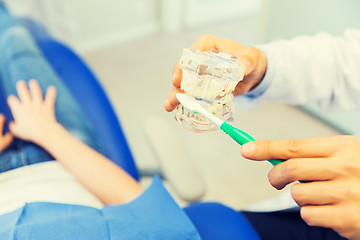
(20, 59)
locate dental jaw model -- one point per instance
(210, 77)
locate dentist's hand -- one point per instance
(34, 116)
(5, 139)
(253, 60)
(332, 165)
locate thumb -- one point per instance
(247, 150)
(246, 65)
(291, 148)
(6, 139)
(263, 150)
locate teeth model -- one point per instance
(210, 77)
(209, 74)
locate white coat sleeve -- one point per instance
(320, 69)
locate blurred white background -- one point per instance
(91, 25)
(133, 45)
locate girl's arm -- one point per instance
(34, 120)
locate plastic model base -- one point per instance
(197, 123)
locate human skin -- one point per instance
(329, 168)
(35, 121)
(5, 139)
(253, 60)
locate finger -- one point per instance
(244, 55)
(177, 76)
(5, 141)
(23, 91)
(167, 105)
(327, 216)
(249, 58)
(242, 87)
(231, 47)
(14, 104)
(247, 65)
(14, 129)
(172, 102)
(293, 148)
(209, 42)
(316, 193)
(205, 42)
(173, 99)
(302, 169)
(35, 91)
(50, 96)
(170, 93)
(2, 122)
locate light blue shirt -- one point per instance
(153, 215)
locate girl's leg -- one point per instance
(4, 109)
(20, 59)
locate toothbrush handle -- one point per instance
(242, 137)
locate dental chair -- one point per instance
(213, 220)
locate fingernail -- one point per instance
(248, 148)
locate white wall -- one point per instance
(179, 15)
(289, 18)
(202, 12)
(90, 24)
(100, 23)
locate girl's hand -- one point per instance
(34, 116)
(34, 120)
(5, 139)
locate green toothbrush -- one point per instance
(238, 135)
